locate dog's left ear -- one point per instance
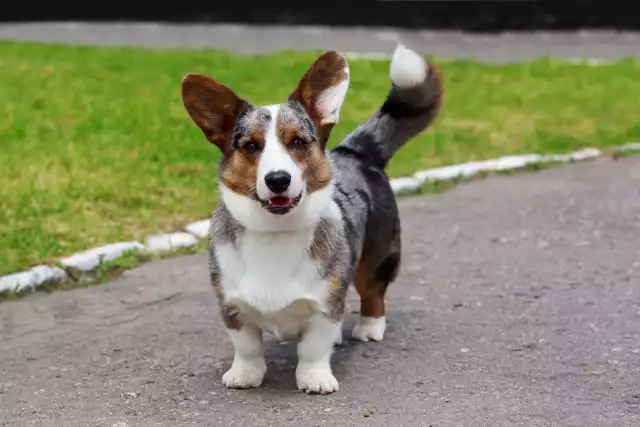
(322, 90)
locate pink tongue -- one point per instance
(280, 201)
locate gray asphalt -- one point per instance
(254, 39)
(518, 304)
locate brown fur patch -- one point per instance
(326, 72)
(371, 292)
(317, 170)
(213, 107)
(230, 318)
(378, 267)
(239, 170)
(336, 297)
(321, 247)
(287, 132)
(372, 279)
(229, 313)
(311, 158)
(238, 173)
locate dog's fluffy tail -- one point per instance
(411, 106)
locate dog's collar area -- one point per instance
(280, 205)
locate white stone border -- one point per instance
(93, 258)
(383, 56)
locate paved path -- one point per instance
(518, 304)
(492, 48)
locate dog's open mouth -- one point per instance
(280, 205)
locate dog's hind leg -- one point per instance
(374, 274)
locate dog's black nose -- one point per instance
(278, 181)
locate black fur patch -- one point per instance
(369, 157)
(397, 107)
(388, 270)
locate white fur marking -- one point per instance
(274, 157)
(272, 279)
(255, 218)
(248, 367)
(408, 68)
(285, 298)
(338, 339)
(330, 101)
(267, 272)
(313, 373)
(370, 328)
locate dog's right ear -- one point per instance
(213, 107)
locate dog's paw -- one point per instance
(338, 339)
(370, 328)
(314, 380)
(245, 374)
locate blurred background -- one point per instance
(476, 15)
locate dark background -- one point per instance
(472, 15)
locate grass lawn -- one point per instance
(95, 145)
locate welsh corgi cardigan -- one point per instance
(297, 223)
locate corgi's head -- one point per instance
(274, 174)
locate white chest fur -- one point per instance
(272, 280)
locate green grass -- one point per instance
(95, 145)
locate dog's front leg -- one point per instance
(313, 373)
(248, 367)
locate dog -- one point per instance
(298, 223)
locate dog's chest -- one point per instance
(272, 280)
(287, 324)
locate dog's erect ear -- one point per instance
(322, 90)
(212, 106)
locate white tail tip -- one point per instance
(408, 68)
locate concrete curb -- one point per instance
(91, 259)
(170, 242)
(382, 56)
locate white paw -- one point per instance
(316, 380)
(245, 374)
(370, 328)
(338, 338)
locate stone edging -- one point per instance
(91, 259)
(383, 56)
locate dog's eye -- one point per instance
(298, 144)
(251, 148)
